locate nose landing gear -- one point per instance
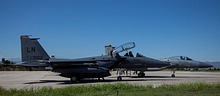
(173, 72)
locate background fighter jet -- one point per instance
(184, 62)
(180, 62)
(33, 54)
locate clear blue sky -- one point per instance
(81, 28)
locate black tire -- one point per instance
(173, 75)
(73, 79)
(119, 78)
(141, 74)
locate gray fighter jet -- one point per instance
(136, 63)
(184, 62)
(34, 55)
(179, 62)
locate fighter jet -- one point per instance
(137, 63)
(179, 62)
(184, 62)
(33, 54)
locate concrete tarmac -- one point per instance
(35, 79)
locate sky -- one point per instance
(81, 28)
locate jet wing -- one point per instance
(102, 61)
(82, 62)
(56, 62)
(38, 63)
(78, 61)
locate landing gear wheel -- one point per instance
(141, 74)
(73, 79)
(173, 75)
(119, 78)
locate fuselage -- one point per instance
(185, 62)
(142, 64)
(102, 64)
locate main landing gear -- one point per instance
(141, 74)
(119, 78)
(119, 72)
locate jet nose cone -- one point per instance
(204, 65)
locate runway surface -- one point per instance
(35, 79)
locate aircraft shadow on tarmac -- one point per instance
(80, 82)
(132, 78)
(168, 77)
(145, 77)
(84, 81)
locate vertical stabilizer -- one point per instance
(31, 49)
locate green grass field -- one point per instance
(124, 89)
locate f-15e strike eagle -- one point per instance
(33, 54)
(180, 62)
(184, 62)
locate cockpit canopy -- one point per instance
(124, 47)
(180, 58)
(109, 50)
